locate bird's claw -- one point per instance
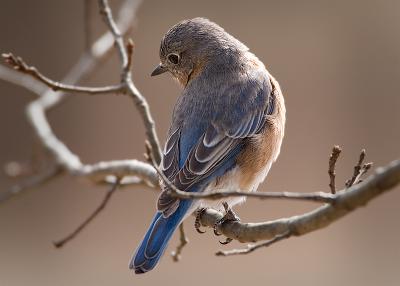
(215, 228)
(229, 216)
(227, 240)
(197, 223)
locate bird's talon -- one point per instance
(229, 216)
(227, 240)
(215, 229)
(197, 223)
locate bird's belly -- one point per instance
(233, 181)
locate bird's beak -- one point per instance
(159, 70)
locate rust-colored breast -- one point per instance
(262, 150)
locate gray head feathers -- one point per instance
(199, 35)
(191, 45)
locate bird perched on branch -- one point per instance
(226, 131)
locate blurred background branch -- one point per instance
(134, 171)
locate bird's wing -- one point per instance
(242, 116)
(170, 160)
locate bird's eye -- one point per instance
(173, 58)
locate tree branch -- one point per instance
(20, 65)
(348, 200)
(36, 112)
(126, 78)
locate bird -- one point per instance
(226, 130)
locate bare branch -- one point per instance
(126, 78)
(252, 247)
(183, 240)
(31, 182)
(20, 65)
(119, 168)
(103, 204)
(332, 164)
(36, 113)
(384, 179)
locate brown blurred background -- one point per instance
(338, 63)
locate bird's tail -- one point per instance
(156, 239)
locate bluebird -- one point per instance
(226, 131)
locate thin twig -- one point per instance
(60, 243)
(252, 247)
(176, 255)
(129, 49)
(23, 80)
(20, 65)
(320, 197)
(359, 170)
(139, 100)
(365, 168)
(31, 182)
(332, 164)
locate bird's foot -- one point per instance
(230, 215)
(197, 223)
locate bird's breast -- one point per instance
(263, 149)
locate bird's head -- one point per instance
(191, 45)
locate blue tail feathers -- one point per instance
(156, 239)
